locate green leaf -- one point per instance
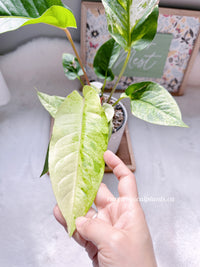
(76, 165)
(46, 164)
(18, 13)
(152, 102)
(127, 21)
(145, 30)
(105, 57)
(72, 68)
(50, 103)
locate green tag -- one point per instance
(149, 62)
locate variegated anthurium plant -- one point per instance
(82, 124)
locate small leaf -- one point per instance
(109, 111)
(97, 86)
(105, 58)
(72, 68)
(76, 164)
(151, 102)
(46, 164)
(15, 14)
(126, 21)
(50, 103)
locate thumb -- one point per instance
(94, 230)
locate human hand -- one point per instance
(117, 235)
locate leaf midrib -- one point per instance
(6, 9)
(78, 158)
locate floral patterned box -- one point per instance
(182, 25)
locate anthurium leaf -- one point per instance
(14, 14)
(46, 164)
(72, 68)
(127, 18)
(105, 57)
(76, 165)
(50, 103)
(151, 102)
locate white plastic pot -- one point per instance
(116, 137)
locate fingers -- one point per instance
(59, 217)
(91, 249)
(103, 197)
(94, 230)
(91, 213)
(127, 184)
(95, 261)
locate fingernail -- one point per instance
(80, 221)
(94, 216)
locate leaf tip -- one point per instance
(37, 91)
(184, 125)
(43, 173)
(71, 229)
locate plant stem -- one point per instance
(80, 81)
(121, 73)
(76, 53)
(103, 88)
(118, 100)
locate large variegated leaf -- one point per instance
(76, 164)
(132, 22)
(14, 14)
(151, 102)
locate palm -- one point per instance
(116, 213)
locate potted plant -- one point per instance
(82, 124)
